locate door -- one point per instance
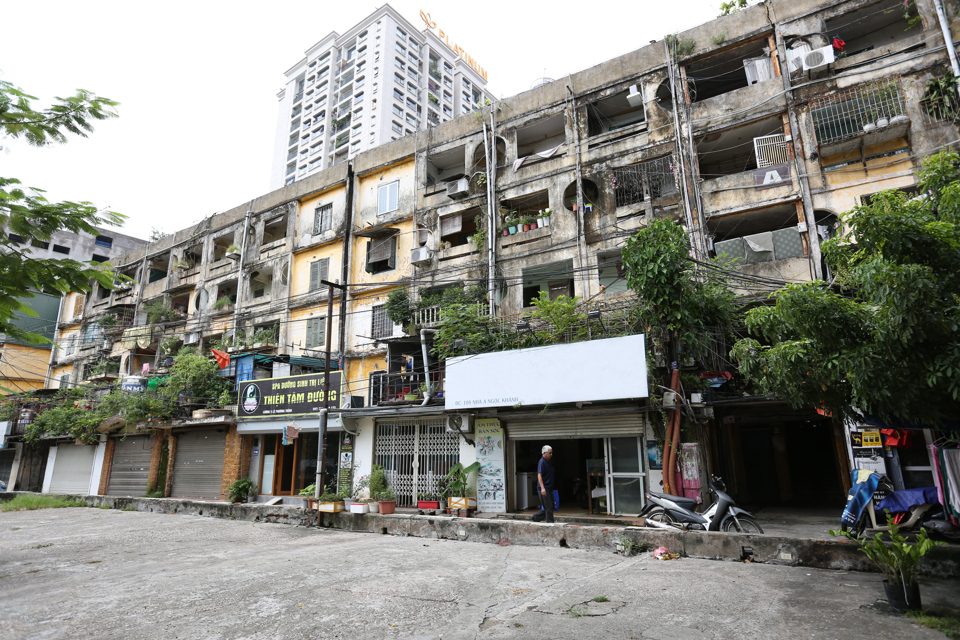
(415, 455)
(625, 474)
(72, 468)
(198, 464)
(288, 468)
(130, 471)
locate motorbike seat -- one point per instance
(680, 500)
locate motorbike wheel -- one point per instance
(659, 515)
(747, 525)
(583, 500)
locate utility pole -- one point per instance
(322, 433)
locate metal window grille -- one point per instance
(415, 455)
(646, 180)
(842, 115)
(771, 150)
(382, 325)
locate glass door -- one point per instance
(625, 475)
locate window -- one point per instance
(397, 127)
(400, 65)
(78, 306)
(316, 332)
(387, 197)
(465, 83)
(382, 327)
(381, 254)
(398, 78)
(322, 218)
(61, 249)
(411, 119)
(398, 94)
(465, 108)
(105, 241)
(359, 82)
(99, 258)
(447, 111)
(401, 33)
(70, 344)
(40, 244)
(323, 73)
(319, 270)
(411, 104)
(18, 239)
(398, 111)
(65, 381)
(402, 49)
(412, 88)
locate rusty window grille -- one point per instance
(382, 325)
(843, 114)
(644, 181)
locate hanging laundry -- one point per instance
(543, 154)
(838, 44)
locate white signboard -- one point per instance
(610, 369)
(491, 492)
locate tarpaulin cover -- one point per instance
(902, 500)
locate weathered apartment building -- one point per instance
(753, 131)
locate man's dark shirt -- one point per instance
(545, 469)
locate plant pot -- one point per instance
(882, 122)
(540, 223)
(359, 507)
(506, 232)
(512, 230)
(902, 599)
(526, 227)
(868, 127)
(463, 503)
(411, 396)
(900, 119)
(533, 226)
(330, 507)
(546, 222)
(374, 507)
(388, 506)
(428, 505)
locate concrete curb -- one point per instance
(941, 562)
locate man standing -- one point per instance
(545, 479)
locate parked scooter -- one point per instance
(920, 508)
(675, 512)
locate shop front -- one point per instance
(198, 463)
(72, 468)
(130, 468)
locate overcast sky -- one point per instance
(197, 82)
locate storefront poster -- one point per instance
(654, 455)
(288, 396)
(345, 472)
(491, 489)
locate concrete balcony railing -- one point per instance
(743, 190)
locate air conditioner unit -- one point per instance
(818, 58)
(191, 338)
(420, 254)
(635, 98)
(459, 423)
(351, 402)
(458, 189)
(796, 55)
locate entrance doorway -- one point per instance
(288, 468)
(594, 476)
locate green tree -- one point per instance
(27, 213)
(885, 337)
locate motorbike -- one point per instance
(667, 511)
(914, 508)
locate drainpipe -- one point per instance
(53, 347)
(688, 214)
(948, 40)
(813, 238)
(345, 261)
(243, 251)
(581, 223)
(491, 160)
(426, 364)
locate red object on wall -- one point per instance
(222, 357)
(838, 44)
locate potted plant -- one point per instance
(222, 303)
(525, 223)
(387, 500)
(428, 501)
(533, 223)
(546, 216)
(241, 489)
(898, 562)
(233, 252)
(458, 488)
(360, 505)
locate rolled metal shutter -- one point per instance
(130, 470)
(570, 428)
(72, 468)
(198, 464)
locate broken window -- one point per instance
(275, 229)
(735, 68)
(644, 182)
(623, 109)
(541, 137)
(458, 227)
(556, 279)
(443, 167)
(159, 266)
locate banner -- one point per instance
(491, 489)
(288, 396)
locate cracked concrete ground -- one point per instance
(95, 573)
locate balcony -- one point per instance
(405, 388)
(860, 117)
(427, 317)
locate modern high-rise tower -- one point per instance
(379, 81)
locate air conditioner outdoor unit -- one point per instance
(420, 254)
(459, 423)
(191, 338)
(351, 402)
(818, 58)
(458, 189)
(635, 98)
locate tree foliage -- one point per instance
(674, 294)
(26, 213)
(885, 338)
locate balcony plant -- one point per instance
(525, 223)
(428, 501)
(233, 252)
(222, 303)
(457, 487)
(898, 562)
(241, 489)
(546, 216)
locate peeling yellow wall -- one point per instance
(876, 168)
(58, 372)
(333, 251)
(22, 367)
(297, 329)
(358, 374)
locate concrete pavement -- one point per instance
(101, 573)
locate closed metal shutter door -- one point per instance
(72, 468)
(198, 464)
(6, 465)
(569, 428)
(130, 471)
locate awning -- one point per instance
(376, 231)
(598, 426)
(902, 425)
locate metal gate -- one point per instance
(198, 464)
(72, 467)
(130, 470)
(415, 454)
